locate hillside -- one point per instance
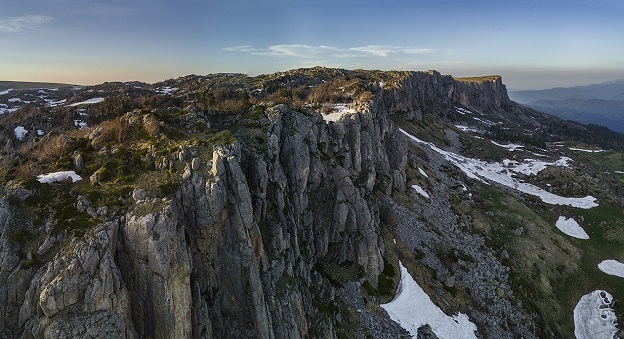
(300, 204)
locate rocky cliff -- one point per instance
(231, 253)
(268, 207)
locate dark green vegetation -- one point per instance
(4, 85)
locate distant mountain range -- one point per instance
(601, 104)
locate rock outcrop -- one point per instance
(232, 252)
(426, 90)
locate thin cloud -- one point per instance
(22, 23)
(308, 52)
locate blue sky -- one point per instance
(532, 44)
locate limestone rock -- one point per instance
(425, 332)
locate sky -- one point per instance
(532, 44)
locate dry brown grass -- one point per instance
(113, 131)
(479, 79)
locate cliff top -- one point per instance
(483, 78)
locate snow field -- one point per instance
(58, 176)
(412, 308)
(593, 316)
(503, 173)
(571, 228)
(612, 267)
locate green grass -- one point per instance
(479, 78)
(554, 270)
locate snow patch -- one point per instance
(462, 110)
(40, 132)
(7, 110)
(167, 89)
(502, 174)
(420, 191)
(337, 111)
(593, 316)
(58, 176)
(80, 124)
(612, 267)
(467, 129)
(332, 116)
(6, 92)
(571, 227)
(587, 150)
(619, 172)
(509, 147)
(485, 121)
(15, 100)
(20, 132)
(88, 102)
(412, 308)
(422, 172)
(53, 103)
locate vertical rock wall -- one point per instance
(233, 252)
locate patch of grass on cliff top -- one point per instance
(479, 78)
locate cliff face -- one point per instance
(237, 249)
(232, 253)
(423, 89)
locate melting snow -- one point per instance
(571, 228)
(509, 147)
(467, 129)
(58, 176)
(420, 191)
(586, 150)
(167, 89)
(337, 112)
(593, 316)
(88, 102)
(15, 100)
(612, 267)
(80, 124)
(53, 103)
(6, 92)
(40, 132)
(20, 132)
(501, 174)
(484, 121)
(412, 308)
(7, 110)
(422, 172)
(332, 116)
(462, 110)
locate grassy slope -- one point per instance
(550, 271)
